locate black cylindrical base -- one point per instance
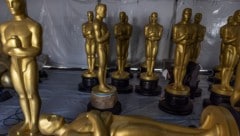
(43, 74)
(87, 84)
(143, 69)
(148, 88)
(176, 104)
(117, 109)
(122, 85)
(214, 80)
(195, 91)
(216, 99)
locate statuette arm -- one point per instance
(84, 31)
(176, 38)
(98, 36)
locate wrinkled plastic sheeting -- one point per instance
(215, 14)
(65, 46)
(62, 24)
(62, 19)
(138, 12)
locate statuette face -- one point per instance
(186, 16)
(50, 123)
(237, 16)
(16, 7)
(101, 10)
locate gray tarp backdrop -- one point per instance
(62, 19)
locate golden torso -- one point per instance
(230, 32)
(201, 32)
(103, 29)
(183, 30)
(22, 29)
(88, 30)
(154, 30)
(121, 29)
(230, 36)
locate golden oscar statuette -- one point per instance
(177, 94)
(22, 41)
(122, 32)
(89, 77)
(193, 68)
(201, 30)
(216, 77)
(129, 28)
(221, 93)
(215, 121)
(103, 96)
(149, 79)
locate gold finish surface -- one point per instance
(144, 76)
(171, 88)
(201, 30)
(120, 75)
(219, 89)
(90, 44)
(122, 33)
(223, 33)
(153, 33)
(110, 90)
(22, 38)
(89, 74)
(219, 122)
(144, 64)
(218, 74)
(215, 121)
(230, 54)
(15, 128)
(102, 41)
(235, 98)
(184, 36)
